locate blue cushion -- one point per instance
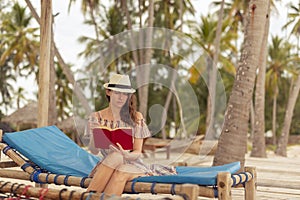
(206, 176)
(51, 149)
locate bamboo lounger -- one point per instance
(221, 187)
(19, 191)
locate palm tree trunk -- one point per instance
(141, 56)
(210, 122)
(233, 140)
(172, 87)
(252, 119)
(143, 72)
(94, 22)
(274, 114)
(259, 143)
(167, 102)
(283, 140)
(211, 102)
(129, 26)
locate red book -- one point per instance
(103, 137)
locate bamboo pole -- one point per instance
(50, 193)
(250, 186)
(205, 191)
(45, 177)
(77, 91)
(45, 60)
(224, 186)
(14, 174)
(185, 190)
(161, 188)
(15, 157)
(1, 134)
(7, 164)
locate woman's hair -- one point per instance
(128, 112)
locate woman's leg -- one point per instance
(119, 178)
(104, 172)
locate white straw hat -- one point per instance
(120, 83)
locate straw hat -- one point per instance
(119, 83)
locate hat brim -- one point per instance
(131, 90)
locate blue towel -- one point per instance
(195, 175)
(52, 150)
(55, 152)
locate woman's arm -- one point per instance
(138, 145)
(92, 122)
(138, 142)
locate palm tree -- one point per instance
(237, 11)
(283, 140)
(64, 92)
(258, 143)
(212, 82)
(294, 17)
(19, 49)
(205, 36)
(293, 94)
(19, 41)
(6, 85)
(233, 140)
(90, 7)
(294, 21)
(279, 63)
(20, 96)
(111, 24)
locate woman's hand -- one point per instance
(127, 155)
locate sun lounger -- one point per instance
(47, 155)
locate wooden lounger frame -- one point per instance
(20, 191)
(225, 181)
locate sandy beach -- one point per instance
(278, 177)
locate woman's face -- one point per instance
(117, 99)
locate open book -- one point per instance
(103, 137)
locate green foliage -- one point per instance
(293, 20)
(64, 94)
(19, 48)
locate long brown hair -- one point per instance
(128, 112)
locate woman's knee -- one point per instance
(120, 176)
(127, 172)
(114, 160)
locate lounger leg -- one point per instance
(250, 186)
(224, 186)
(1, 134)
(190, 191)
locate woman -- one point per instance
(118, 165)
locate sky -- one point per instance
(69, 26)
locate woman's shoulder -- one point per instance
(104, 111)
(140, 119)
(139, 115)
(99, 113)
